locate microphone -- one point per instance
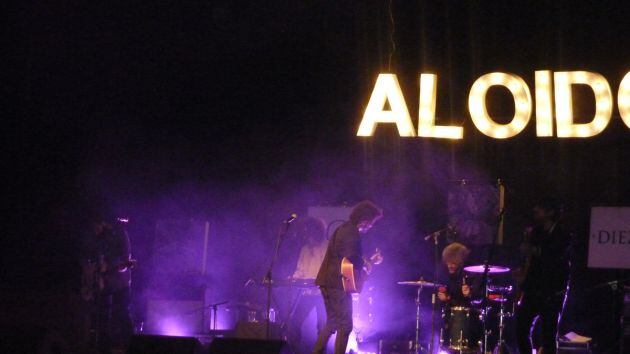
(448, 228)
(291, 218)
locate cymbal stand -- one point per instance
(501, 347)
(417, 347)
(268, 277)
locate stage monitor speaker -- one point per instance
(31, 339)
(248, 346)
(152, 344)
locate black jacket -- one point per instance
(345, 242)
(454, 288)
(114, 248)
(549, 268)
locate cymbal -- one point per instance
(292, 283)
(481, 268)
(419, 283)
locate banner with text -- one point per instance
(609, 245)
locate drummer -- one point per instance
(458, 291)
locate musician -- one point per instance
(458, 290)
(345, 242)
(313, 232)
(106, 255)
(546, 279)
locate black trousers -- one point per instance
(115, 327)
(338, 306)
(305, 303)
(542, 310)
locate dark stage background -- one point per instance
(241, 112)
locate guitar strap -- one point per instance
(334, 241)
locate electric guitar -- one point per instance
(95, 272)
(353, 278)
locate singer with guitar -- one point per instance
(344, 244)
(107, 262)
(546, 268)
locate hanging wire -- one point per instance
(392, 42)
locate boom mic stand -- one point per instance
(436, 257)
(214, 312)
(484, 278)
(268, 280)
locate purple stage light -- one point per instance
(171, 328)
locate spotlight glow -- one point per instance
(171, 328)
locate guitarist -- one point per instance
(106, 282)
(546, 279)
(345, 242)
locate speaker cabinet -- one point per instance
(150, 344)
(248, 346)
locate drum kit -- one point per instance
(466, 329)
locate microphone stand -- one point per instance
(268, 280)
(484, 278)
(214, 309)
(417, 347)
(436, 257)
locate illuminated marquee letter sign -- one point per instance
(522, 105)
(552, 89)
(624, 99)
(564, 104)
(386, 90)
(426, 113)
